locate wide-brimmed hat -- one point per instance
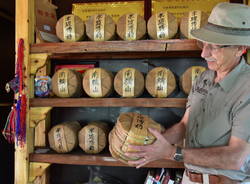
(228, 24)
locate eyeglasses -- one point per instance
(202, 45)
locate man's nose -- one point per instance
(206, 51)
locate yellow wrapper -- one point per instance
(114, 9)
(178, 8)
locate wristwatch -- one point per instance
(178, 154)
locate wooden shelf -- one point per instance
(108, 102)
(99, 159)
(116, 48)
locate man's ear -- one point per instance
(241, 50)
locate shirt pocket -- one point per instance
(214, 131)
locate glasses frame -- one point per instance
(201, 46)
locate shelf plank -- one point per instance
(115, 46)
(100, 159)
(108, 102)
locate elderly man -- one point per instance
(216, 123)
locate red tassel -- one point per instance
(9, 129)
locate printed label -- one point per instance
(95, 83)
(161, 83)
(91, 139)
(63, 83)
(69, 28)
(131, 26)
(99, 22)
(162, 25)
(194, 21)
(59, 139)
(128, 83)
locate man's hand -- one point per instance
(160, 149)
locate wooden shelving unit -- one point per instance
(34, 165)
(99, 159)
(108, 102)
(113, 50)
(116, 46)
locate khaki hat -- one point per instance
(228, 24)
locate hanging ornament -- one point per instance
(15, 128)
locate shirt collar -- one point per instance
(228, 82)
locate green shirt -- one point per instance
(219, 111)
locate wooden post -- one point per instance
(24, 30)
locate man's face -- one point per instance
(220, 58)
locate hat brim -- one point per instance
(212, 37)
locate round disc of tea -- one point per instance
(67, 83)
(162, 26)
(160, 82)
(70, 28)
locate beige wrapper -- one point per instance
(91, 139)
(131, 26)
(99, 21)
(69, 28)
(128, 82)
(162, 25)
(59, 138)
(161, 83)
(194, 21)
(196, 71)
(95, 83)
(62, 82)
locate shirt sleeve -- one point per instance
(241, 121)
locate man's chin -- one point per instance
(211, 65)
